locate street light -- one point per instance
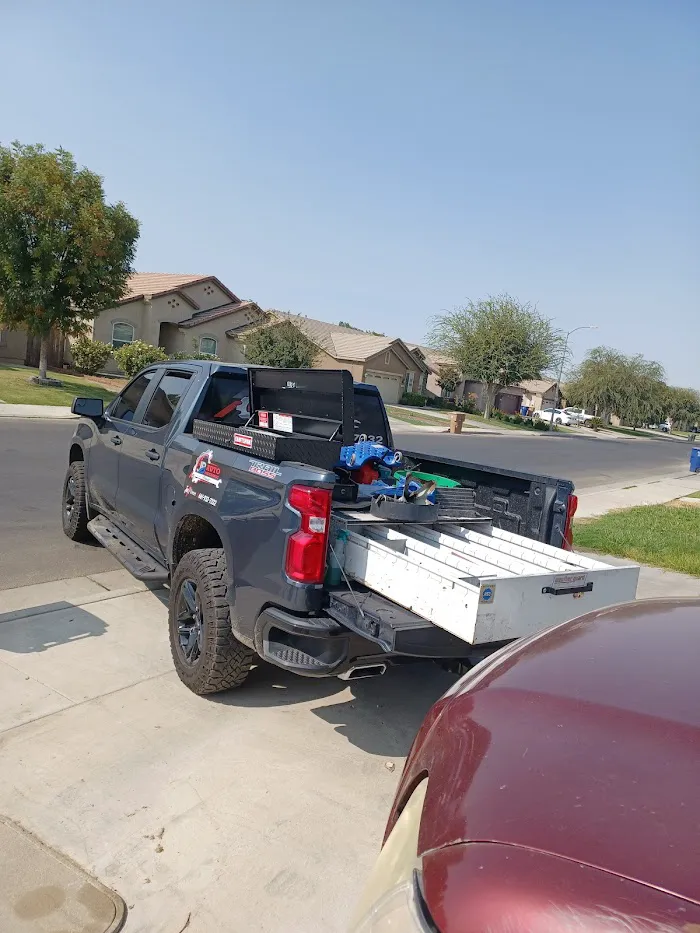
(563, 359)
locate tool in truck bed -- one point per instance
(225, 481)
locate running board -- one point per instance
(137, 561)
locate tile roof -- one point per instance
(202, 317)
(153, 283)
(537, 385)
(434, 358)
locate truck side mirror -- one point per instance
(88, 407)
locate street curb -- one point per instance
(46, 412)
(33, 611)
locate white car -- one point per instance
(557, 415)
(578, 415)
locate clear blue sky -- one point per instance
(379, 161)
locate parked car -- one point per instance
(554, 787)
(665, 427)
(578, 415)
(557, 415)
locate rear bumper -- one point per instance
(344, 638)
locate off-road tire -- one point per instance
(224, 662)
(75, 523)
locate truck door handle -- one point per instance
(116, 440)
(153, 454)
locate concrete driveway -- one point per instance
(260, 809)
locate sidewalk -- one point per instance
(35, 411)
(653, 491)
(195, 810)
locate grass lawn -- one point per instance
(479, 420)
(694, 495)
(659, 535)
(640, 432)
(16, 389)
(414, 417)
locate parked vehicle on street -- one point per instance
(554, 788)
(555, 415)
(227, 483)
(578, 415)
(665, 427)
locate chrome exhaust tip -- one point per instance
(363, 670)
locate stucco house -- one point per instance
(179, 313)
(385, 362)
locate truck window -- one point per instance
(226, 400)
(127, 403)
(166, 398)
(369, 417)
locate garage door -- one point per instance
(390, 387)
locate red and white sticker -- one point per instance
(282, 422)
(243, 440)
(264, 419)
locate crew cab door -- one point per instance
(142, 454)
(105, 453)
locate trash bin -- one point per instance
(695, 460)
(456, 422)
(524, 409)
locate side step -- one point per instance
(138, 562)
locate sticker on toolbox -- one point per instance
(488, 593)
(264, 419)
(566, 580)
(282, 422)
(243, 440)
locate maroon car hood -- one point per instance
(578, 747)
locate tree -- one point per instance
(683, 406)
(280, 345)
(630, 387)
(497, 341)
(65, 254)
(449, 377)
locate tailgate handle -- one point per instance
(568, 590)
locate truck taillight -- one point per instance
(571, 507)
(306, 548)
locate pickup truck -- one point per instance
(243, 542)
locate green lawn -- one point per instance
(479, 420)
(16, 389)
(415, 417)
(659, 535)
(639, 432)
(694, 495)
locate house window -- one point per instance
(207, 345)
(122, 334)
(3, 337)
(422, 381)
(387, 357)
(409, 381)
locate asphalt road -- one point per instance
(33, 548)
(33, 457)
(588, 461)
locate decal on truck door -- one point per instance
(205, 470)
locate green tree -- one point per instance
(498, 341)
(280, 345)
(449, 377)
(611, 383)
(65, 254)
(682, 406)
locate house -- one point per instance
(386, 362)
(180, 313)
(539, 393)
(435, 360)
(176, 312)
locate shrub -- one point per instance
(413, 398)
(195, 355)
(468, 404)
(595, 424)
(89, 355)
(517, 418)
(540, 425)
(132, 357)
(441, 403)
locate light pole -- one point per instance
(563, 359)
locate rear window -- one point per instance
(369, 417)
(226, 400)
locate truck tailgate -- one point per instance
(481, 587)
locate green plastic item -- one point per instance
(442, 481)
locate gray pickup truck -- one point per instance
(243, 540)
